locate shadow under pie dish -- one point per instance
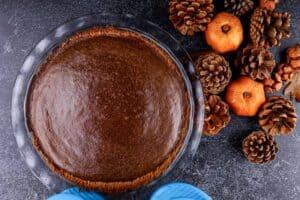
(108, 110)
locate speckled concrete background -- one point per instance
(219, 167)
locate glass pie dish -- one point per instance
(149, 30)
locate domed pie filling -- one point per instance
(108, 110)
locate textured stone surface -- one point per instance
(219, 167)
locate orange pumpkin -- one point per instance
(245, 96)
(224, 33)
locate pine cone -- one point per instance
(256, 62)
(283, 74)
(216, 115)
(259, 147)
(285, 71)
(277, 116)
(274, 84)
(238, 7)
(214, 72)
(189, 16)
(268, 4)
(267, 28)
(293, 56)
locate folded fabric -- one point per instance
(75, 194)
(170, 191)
(178, 191)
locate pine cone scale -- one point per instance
(293, 57)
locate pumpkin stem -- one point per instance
(226, 28)
(246, 95)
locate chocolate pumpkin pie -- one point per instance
(108, 110)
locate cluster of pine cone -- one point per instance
(267, 28)
(215, 74)
(277, 116)
(258, 63)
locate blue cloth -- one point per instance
(76, 194)
(172, 191)
(179, 191)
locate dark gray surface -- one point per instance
(219, 167)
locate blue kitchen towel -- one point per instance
(179, 191)
(172, 191)
(76, 194)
